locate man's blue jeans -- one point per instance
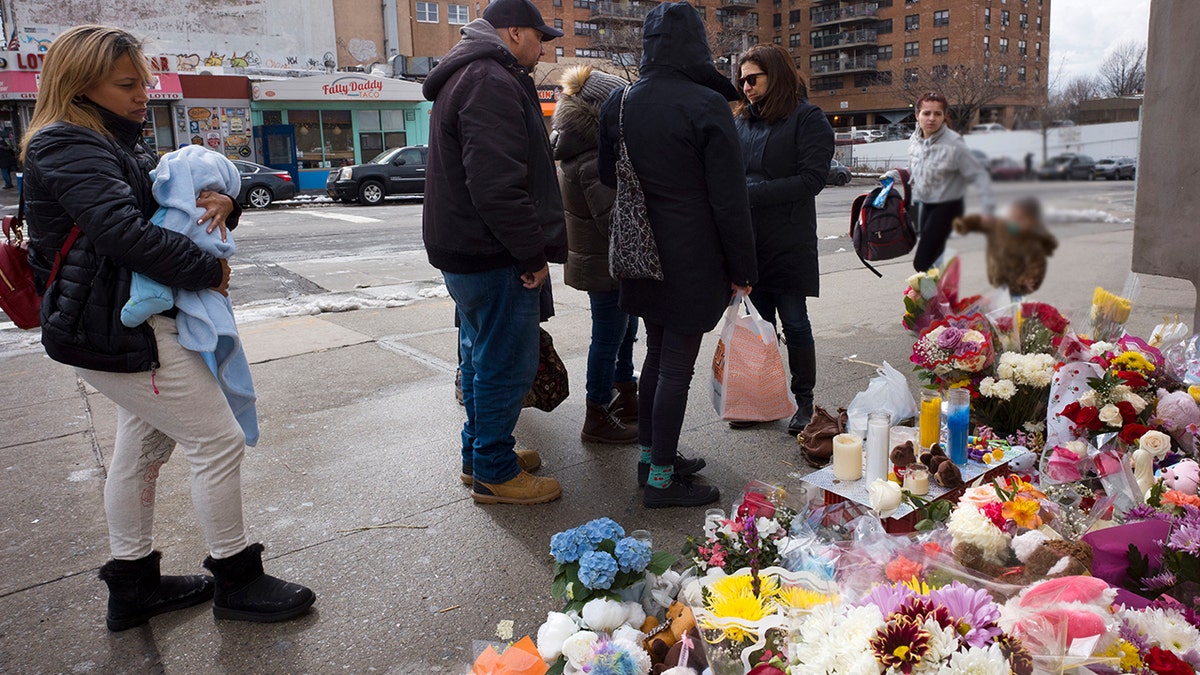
(498, 343)
(610, 356)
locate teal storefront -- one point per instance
(341, 118)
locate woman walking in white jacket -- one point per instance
(941, 167)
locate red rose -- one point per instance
(1132, 432)
(1133, 378)
(1165, 662)
(1089, 418)
(1128, 414)
(1071, 412)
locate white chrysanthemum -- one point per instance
(969, 526)
(987, 387)
(578, 647)
(1166, 629)
(641, 658)
(942, 643)
(1004, 390)
(1006, 368)
(973, 661)
(552, 634)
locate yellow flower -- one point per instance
(743, 584)
(1133, 361)
(795, 597)
(1194, 390)
(1131, 660)
(745, 607)
(1024, 512)
(917, 586)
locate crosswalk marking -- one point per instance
(348, 217)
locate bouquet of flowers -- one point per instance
(932, 296)
(1171, 564)
(1041, 327)
(910, 629)
(755, 536)
(952, 350)
(1161, 638)
(1015, 398)
(1110, 311)
(597, 560)
(1120, 399)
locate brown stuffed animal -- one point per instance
(903, 455)
(695, 660)
(679, 620)
(1065, 558)
(948, 475)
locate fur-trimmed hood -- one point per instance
(576, 121)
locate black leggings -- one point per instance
(663, 389)
(936, 221)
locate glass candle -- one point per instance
(958, 420)
(847, 457)
(879, 426)
(712, 521)
(916, 479)
(643, 536)
(931, 418)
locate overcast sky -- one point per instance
(1083, 32)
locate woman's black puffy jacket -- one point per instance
(74, 175)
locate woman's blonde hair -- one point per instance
(79, 59)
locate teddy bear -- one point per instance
(948, 475)
(669, 664)
(1178, 411)
(679, 620)
(1046, 558)
(902, 456)
(1183, 476)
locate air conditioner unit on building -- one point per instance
(908, 59)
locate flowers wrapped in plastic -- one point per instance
(933, 295)
(951, 350)
(596, 559)
(521, 658)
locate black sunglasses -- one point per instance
(752, 79)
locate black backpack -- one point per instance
(883, 233)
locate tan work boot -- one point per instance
(528, 460)
(601, 426)
(524, 489)
(625, 405)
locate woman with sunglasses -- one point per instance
(941, 166)
(787, 145)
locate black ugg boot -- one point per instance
(245, 593)
(802, 361)
(137, 591)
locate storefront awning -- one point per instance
(17, 85)
(23, 85)
(338, 87)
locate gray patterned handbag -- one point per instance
(632, 253)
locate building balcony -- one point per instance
(857, 37)
(630, 12)
(738, 4)
(849, 13)
(839, 66)
(739, 24)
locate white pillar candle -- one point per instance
(847, 457)
(879, 425)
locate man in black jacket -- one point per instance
(493, 220)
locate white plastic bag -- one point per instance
(749, 378)
(887, 392)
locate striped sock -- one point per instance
(660, 476)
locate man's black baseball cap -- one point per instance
(521, 14)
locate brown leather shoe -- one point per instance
(528, 460)
(524, 489)
(625, 405)
(601, 426)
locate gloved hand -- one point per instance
(894, 175)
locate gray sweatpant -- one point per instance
(187, 409)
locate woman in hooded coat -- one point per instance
(684, 149)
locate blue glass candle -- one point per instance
(958, 422)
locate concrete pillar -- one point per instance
(1166, 236)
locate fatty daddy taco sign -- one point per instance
(338, 87)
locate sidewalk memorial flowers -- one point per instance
(1015, 398)
(952, 350)
(597, 560)
(933, 295)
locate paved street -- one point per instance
(354, 486)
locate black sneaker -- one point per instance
(738, 425)
(683, 467)
(679, 492)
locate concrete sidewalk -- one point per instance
(354, 487)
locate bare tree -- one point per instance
(623, 43)
(1079, 89)
(1123, 73)
(968, 87)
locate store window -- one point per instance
(456, 15)
(272, 117)
(324, 138)
(427, 12)
(380, 130)
(157, 132)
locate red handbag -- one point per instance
(19, 296)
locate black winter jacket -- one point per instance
(491, 194)
(74, 175)
(684, 148)
(587, 202)
(786, 163)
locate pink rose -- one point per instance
(979, 497)
(1064, 465)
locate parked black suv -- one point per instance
(1067, 166)
(398, 171)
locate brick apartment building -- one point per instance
(864, 61)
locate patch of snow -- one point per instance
(1084, 216)
(311, 305)
(17, 342)
(435, 292)
(306, 199)
(832, 236)
(840, 250)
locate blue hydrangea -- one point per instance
(597, 570)
(633, 555)
(602, 528)
(569, 546)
